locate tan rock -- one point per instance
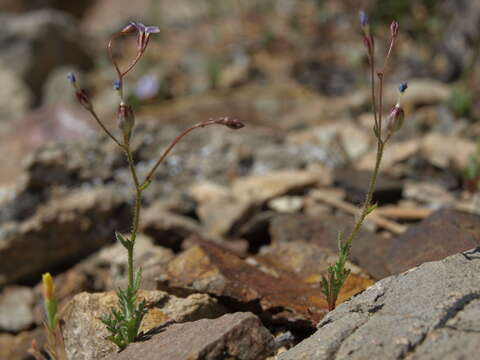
(85, 335)
(260, 188)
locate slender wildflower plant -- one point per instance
(55, 348)
(337, 273)
(124, 321)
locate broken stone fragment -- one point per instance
(85, 335)
(260, 188)
(445, 232)
(233, 336)
(71, 226)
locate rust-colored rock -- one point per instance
(444, 233)
(276, 295)
(233, 336)
(310, 261)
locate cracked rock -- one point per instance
(430, 312)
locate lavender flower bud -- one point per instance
(71, 77)
(394, 26)
(126, 120)
(395, 119)
(364, 23)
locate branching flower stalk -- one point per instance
(337, 273)
(124, 322)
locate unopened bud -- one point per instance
(117, 85)
(394, 26)
(83, 99)
(48, 287)
(395, 119)
(126, 120)
(234, 124)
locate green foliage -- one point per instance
(124, 322)
(126, 243)
(337, 274)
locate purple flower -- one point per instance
(143, 33)
(363, 18)
(403, 86)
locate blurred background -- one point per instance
(296, 73)
(281, 64)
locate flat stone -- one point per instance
(368, 250)
(430, 312)
(16, 308)
(85, 335)
(62, 231)
(443, 233)
(261, 188)
(233, 336)
(356, 183)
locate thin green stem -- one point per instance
(368, 199)
(136, 212)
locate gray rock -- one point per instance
(430, 312)
(63, 230)
(35, 43)
(85, 335)
(16, 308)
(239, 336)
